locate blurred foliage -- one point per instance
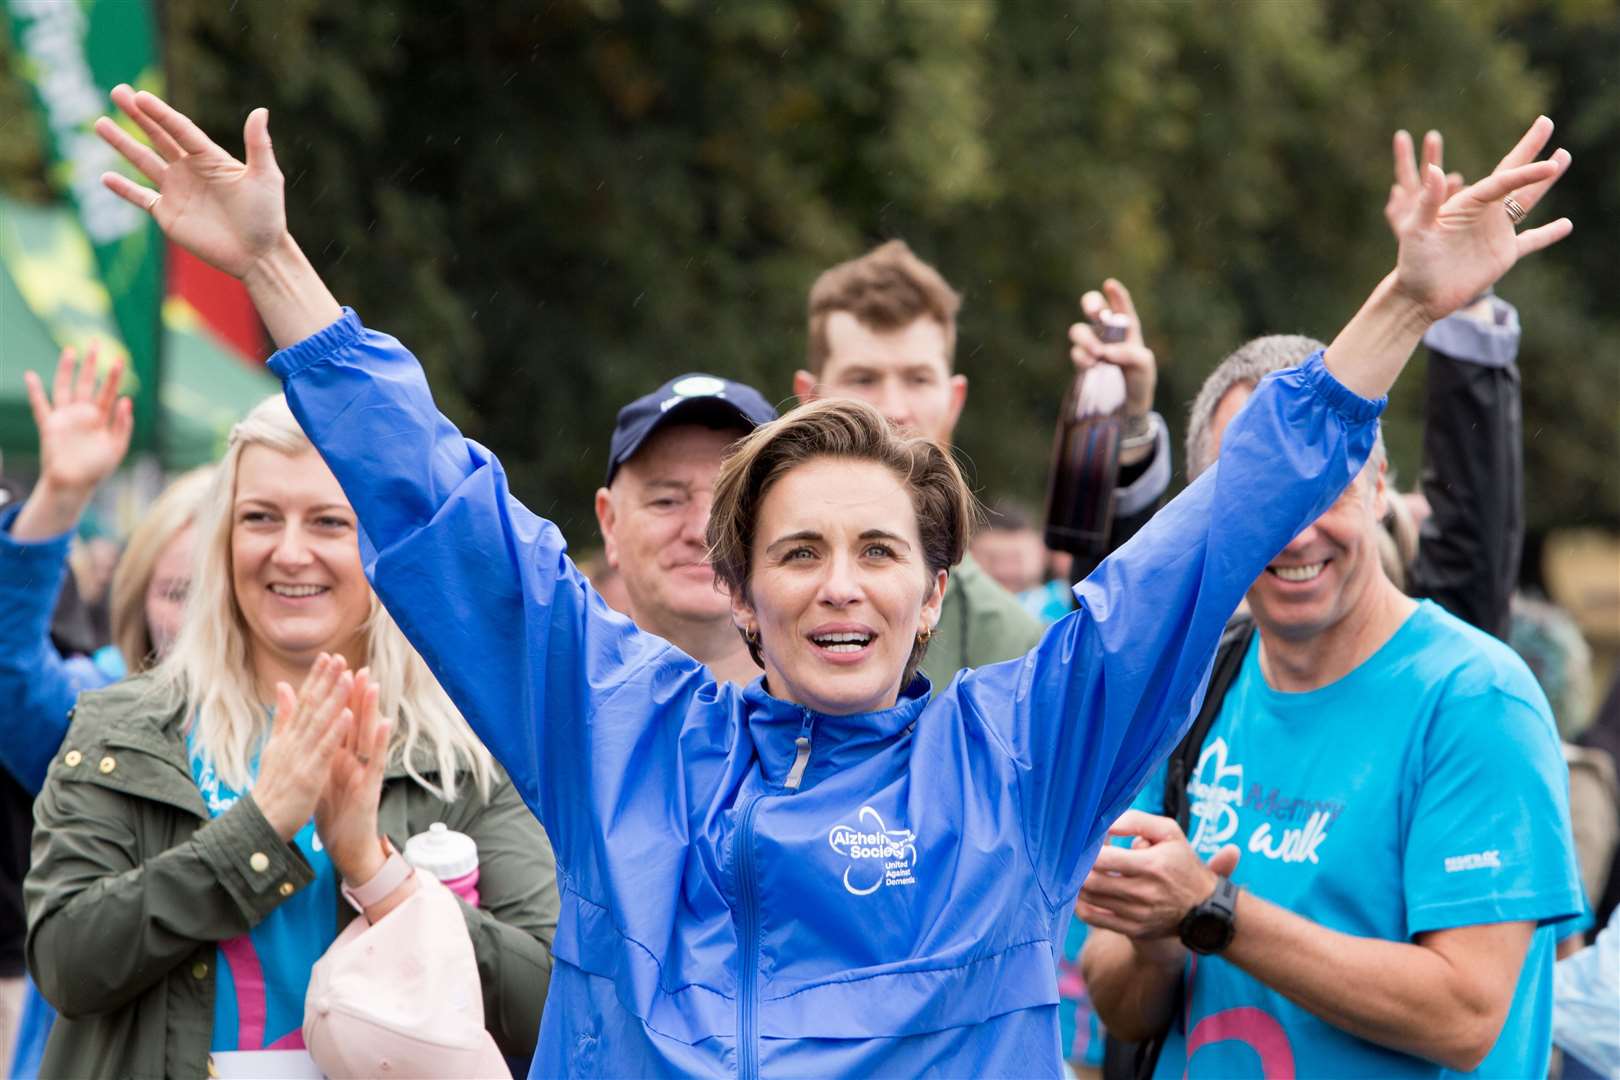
(559, 205)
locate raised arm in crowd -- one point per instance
(1332, 940)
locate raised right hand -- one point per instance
(83, 431)
(83, 435)
(228, 213)
(1407, 189)
(307, 729)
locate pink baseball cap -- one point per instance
(402, 997)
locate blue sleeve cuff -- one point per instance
(1314, 375)
(1493, 343)
(30, 553)
(1540, 907)
(1146, 489)
(317, 347)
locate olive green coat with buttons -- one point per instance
(133, 888)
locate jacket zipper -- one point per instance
(748, 972)
(748, 892)
(801, 755)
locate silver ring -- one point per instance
(1515, 212)
(364, 759)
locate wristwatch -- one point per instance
(1208, 927)
(392, 875)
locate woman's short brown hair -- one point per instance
(844, 429)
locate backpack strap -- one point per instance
(1183, 762)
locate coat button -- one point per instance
(107, 764)
(72, 758)
(286, 888)
(258, 860)
(199, 970)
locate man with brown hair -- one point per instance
(883, 329)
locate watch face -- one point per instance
(1207, 932)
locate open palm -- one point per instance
(1453, 248)
(226, 212)
(83, 430)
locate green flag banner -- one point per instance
(72, 53)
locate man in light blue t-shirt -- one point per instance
(1383, 807)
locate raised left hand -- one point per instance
(1452, 249)
(346, 813)
(1144, 891)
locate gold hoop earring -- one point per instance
(751, 636)
(924, 635)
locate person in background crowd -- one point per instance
(1550, 642)
(83, 437)
(1010, 549)
(691, 793)
(191, 841)
(882, 329)
(92, 558)
(1353, 707)
(653, 511)
(1586, 1007)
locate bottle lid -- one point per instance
(442, 852)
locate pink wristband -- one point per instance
(393, 874)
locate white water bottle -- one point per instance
(450, 856)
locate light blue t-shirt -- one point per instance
(1425, 790)
(263, 975)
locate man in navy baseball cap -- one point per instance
(654, 512)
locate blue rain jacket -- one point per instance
(896, 915)
(38, 685)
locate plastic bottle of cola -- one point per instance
(1085, 454)
(450, 856)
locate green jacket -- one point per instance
(133, 887)
(980, 623)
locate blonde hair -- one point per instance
(169, 515)
(209, 667)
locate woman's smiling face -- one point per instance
(295, 559)
(839, 589)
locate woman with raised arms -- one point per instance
(826, 872)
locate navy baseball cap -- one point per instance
(694, 398)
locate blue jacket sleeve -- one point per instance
(38, 684)
(1090, 712)
(481, 587)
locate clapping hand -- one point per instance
(1144, 890)
(346, 813)
(306, 732)
(227, 212)
(84, 433)
(1455, 245)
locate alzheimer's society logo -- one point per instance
(878, 855)
(1214, 794)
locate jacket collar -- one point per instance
(775, 725)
